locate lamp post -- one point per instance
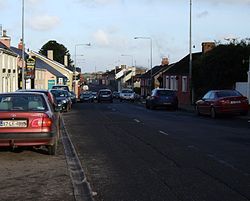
(191, 89)
(23, 48)
(151, 56)
(74, 80)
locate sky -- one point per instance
(110, 26)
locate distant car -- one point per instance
(28, 119)
(127, 94)
(86, 96)
(73, 97)
(116, 94)
(105, 95)
(63, 99)
(217, 102)
(162, 98)
(60, 86)
(94, 93)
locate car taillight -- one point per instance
(41, 122)
(155, 97)
(224, 101)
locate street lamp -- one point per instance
(23, 48)
(86, 44)
(191, 89)
(151, 55)
(129, 55)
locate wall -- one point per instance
(8, 72)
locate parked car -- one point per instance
(162, 98)
(60, 86)
(127, 94)
(28, 119)
(116, 94)
(63, 99)
(73, 97)
(105, 95)
(50, 96)
(217, 102)
(94, 93)
(86, 96)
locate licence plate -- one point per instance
(13, 123)
(235, 102)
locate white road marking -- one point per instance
(136, 120)
(162, 132)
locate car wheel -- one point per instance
(52, 149)
(213, 113)
(197, 111)
(147, 106)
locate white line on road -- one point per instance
(162, 132)
(136, 120)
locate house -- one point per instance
(8, 66)
(62, 75)
(176, 77)
(156, 75)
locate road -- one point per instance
(129, 153)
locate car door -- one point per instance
(204, 103)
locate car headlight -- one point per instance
(64, 101)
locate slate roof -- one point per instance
(155, 70)
(182, 67)
(19, 52)
(4, 47)
(40, 64)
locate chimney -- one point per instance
(164, 61)
(5, 39)
(50, 54)
(66, 60)
(20, 44)
(207, 46)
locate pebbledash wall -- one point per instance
(8, 71)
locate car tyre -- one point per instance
(52, 149)
(213, 113)
(197, 111)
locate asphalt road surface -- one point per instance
(129, 153)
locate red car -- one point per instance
(217, 102)
(28, 119)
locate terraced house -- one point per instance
(8, 66)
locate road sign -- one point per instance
(30, 68)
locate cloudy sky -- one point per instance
(111, 25)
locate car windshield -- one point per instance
(105, 92)
(127, 91)
(60, 93)
(165, 93)
(228, 93)
(25, 102)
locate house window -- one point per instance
(184, 84)
(173, 83)
(167, 82)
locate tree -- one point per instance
(221, 67)
(59, 51)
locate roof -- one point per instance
(155, 70)
(40, 64)
(4, 47)
(182, 67)
(19, 51)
